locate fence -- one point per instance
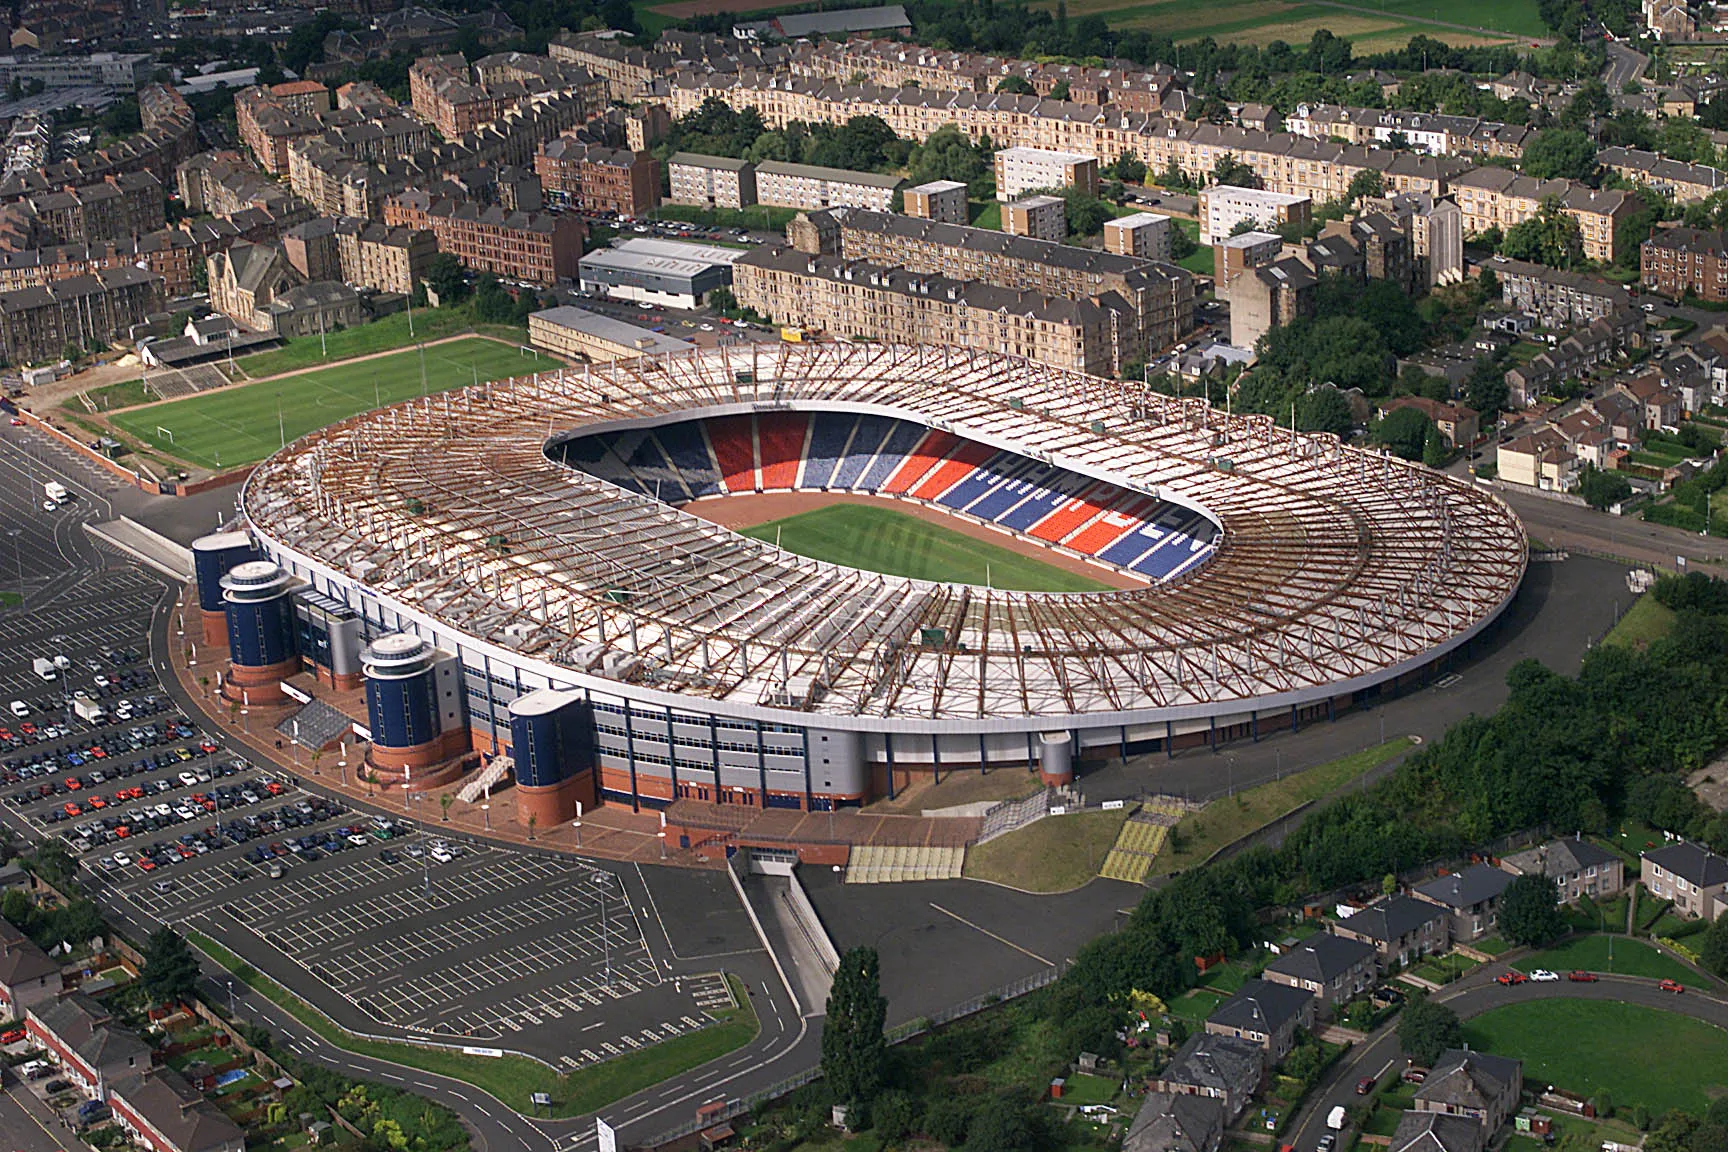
(900, 1035)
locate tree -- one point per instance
(1404, 431)
(1550, 237)
(1561, 154)
(446, 277)
(1232, 171)
(1602, 490)
(1530, 911)
(444, 802)
(1016, 85)
(1714, 953)
(1485, 389)
(854, 1054)
(1128, 169)
(1367, 182)
(1060, 91)
(894, 1115)
(170, 970)
(1428, 1029)
(493, 302)
(948, 154)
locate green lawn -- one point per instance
(381, 335)
(883, 540)
(1631, 958)
(1199, 834)
(513, 1079)
(1054, 854)
(1198, 261)
(1647, 620)
(239, 425)
(761, 217)
(1373, 23)
(111, 396)
(1637, 1055)
(985, 214)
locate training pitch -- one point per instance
(883, 540)
(244, 424)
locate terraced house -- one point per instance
(534, 247)
(92, 310)
(1499, 198)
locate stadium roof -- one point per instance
(1336, 568)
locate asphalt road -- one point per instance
(1562, 525)
(1623, 64)
(1472, 996)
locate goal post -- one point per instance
(168, 432)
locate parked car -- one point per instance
(1582, 977)
(1672, 986)
(1512, 977)
(1364, 1085)
(1543, 976)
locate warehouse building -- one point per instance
(664, 272)
(576, 333)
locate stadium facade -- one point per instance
(535, 535)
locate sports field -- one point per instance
(244, 424)
(1369, 24)
(883, 540)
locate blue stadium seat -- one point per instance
(872, 430)
(684, 445)
(901, 440)
(829, 434)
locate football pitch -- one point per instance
(244, 424)
(883, 540)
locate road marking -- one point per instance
(993, 936)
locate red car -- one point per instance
(1672, 986)
(12, 1037)
(1510, 978)
(1364, 1085)
(1582, 977)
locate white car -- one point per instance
(1543, 976)
(442, 855)
(188, 779)
(19, 708)
(122, 858)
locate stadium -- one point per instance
(551, 536)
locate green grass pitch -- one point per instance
(883, 540)
(238, 425)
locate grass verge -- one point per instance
(382, 335)
(111, 396)
(244, 424)
(1199, 834)
(1054, 854)
(1631, 958)
(883, 540)
(1645, 622)
(514, 1079)
(1584, 1046)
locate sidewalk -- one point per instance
(610, 832)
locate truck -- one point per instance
(89, 710)
(56, 491)
(44, 668)
(1335, 1118)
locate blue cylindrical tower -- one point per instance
(261, 651)
(552, 751)
(401, 695)
(212, 557)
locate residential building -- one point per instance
(1040, 217)
(1242, 253)
(88, 311)
(1401, 928)
(1659, 404)
(119, 72)
(1023, 170)
(164, 1113)
(941, 200)
(1225, 206)
(1470, 896)
(267, 125)
(810, 187)
(1435, 226)
(80, 1035)
(1669, 20)
(1269, 297)
(671, 273)
(711, 181)
(529, 247)
(1693, 877)
(1685, 183)
(595, 178)
(458, 98)
(1144, 234)
(1558, 299)
(578, 334)
(28, 976)
(1678, 262)
(866, 300)
(363, 253)
(1436, 1132)
(1175, 1123)
(1334, 969)
(1161, 296)
(1500, 198)
(1265, 1013)
(1577, 867)
(1459, 423)
(1227, 1069)
(1475, 1085)
(1434, 133)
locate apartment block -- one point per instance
(711, 181)
(1499, 198)
(811, 187)
(596, 178)
(536, 248)
(1269, 297)
(1242, 253)
(943, 200)
(268, 123)
(93, 310)
(119, 207)
(1224, 206)
(1433, 133)
(1020, 170)
(363, 253)
(1145, 234)
(863, 300)
(1161, 296)
(1680, 261)
(1692, 876)
(459, 99)
(1040, 217)
(1686, 183)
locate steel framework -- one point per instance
(1334, 565)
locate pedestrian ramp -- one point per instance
(890, 864)
(486, 779)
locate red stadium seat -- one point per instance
(735, 451)
(956, 468)
(935, 445)
(1076, 512)
(780, 442)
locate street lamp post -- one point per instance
(486, 813)
(605, 940)
(18, 561)
(246, 721)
